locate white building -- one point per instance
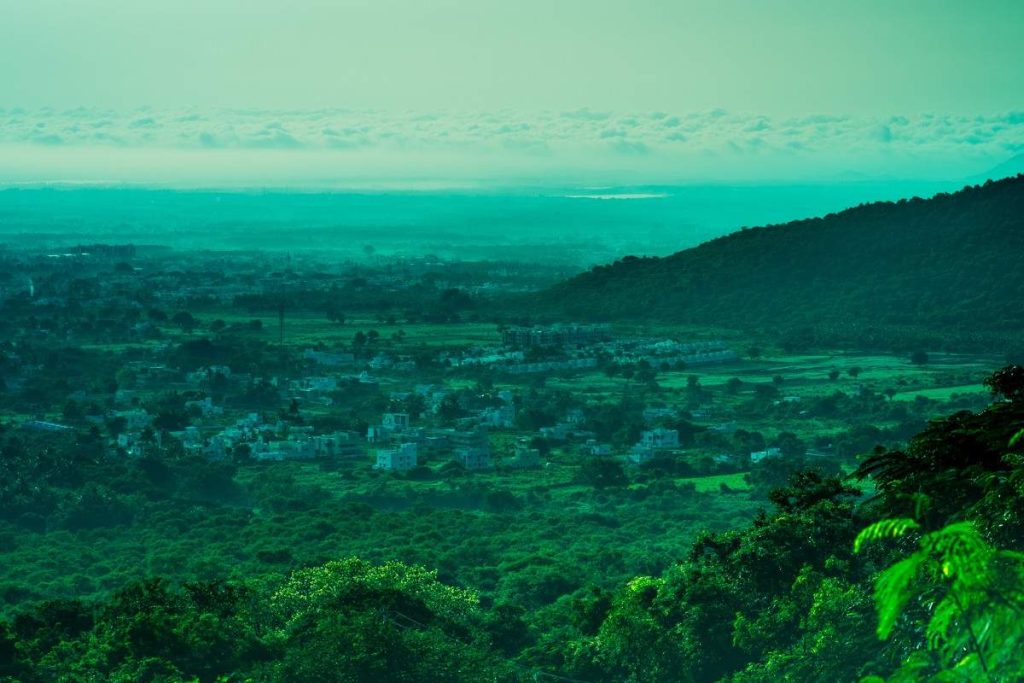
(641, 454)
(396, 422)
(397, 459)
(575, 416)
(523, 457)
(204, 407)
(337, 445)
(592, 447)
(758, 456)
(502, 417)
(660, 438)
(392, 424)
(135, 419)
(473, 458)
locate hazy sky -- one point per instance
(871, 61)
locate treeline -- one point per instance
(903, 269)
(414, 303)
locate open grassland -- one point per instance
(713, 483)
(305, 328)
(808, 376)
(942, 393)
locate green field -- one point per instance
(304, 328)
(713, 483)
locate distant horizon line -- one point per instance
(413, 186)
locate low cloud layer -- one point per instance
(324, 146)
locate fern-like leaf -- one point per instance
(959, 548)
(892, 592)
(886, 528)
(942, 619)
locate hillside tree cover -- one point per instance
(932, 272)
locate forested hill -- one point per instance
(955, 261)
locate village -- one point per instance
(395, 368)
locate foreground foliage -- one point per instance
(972, 593)
(922, 580)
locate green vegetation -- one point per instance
(192, 491)
(792, 596)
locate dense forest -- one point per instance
(874, 274)
(909, 569)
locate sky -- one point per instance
(563, 91)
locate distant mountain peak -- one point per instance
(1009, 168)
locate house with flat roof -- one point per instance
(403, 457)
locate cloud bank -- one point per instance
(334, 146)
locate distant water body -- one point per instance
(576, 226)
(620, 195)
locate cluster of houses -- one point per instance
(582, 347)
(567, 364)
(270, 441)
(556, 335)
(402, 445)
(653, 442)
(394, 443)
(667, 352)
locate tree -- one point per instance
(790, 444)
(185, 321)
(645, 373)
(854, 371)
(734, 385)
(1007, 382)
(603, 473)
(919, 357)
(450, 409)
(72, 411)
(170, 420)
(419, 628)
(833, 374)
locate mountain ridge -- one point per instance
(953, 261)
